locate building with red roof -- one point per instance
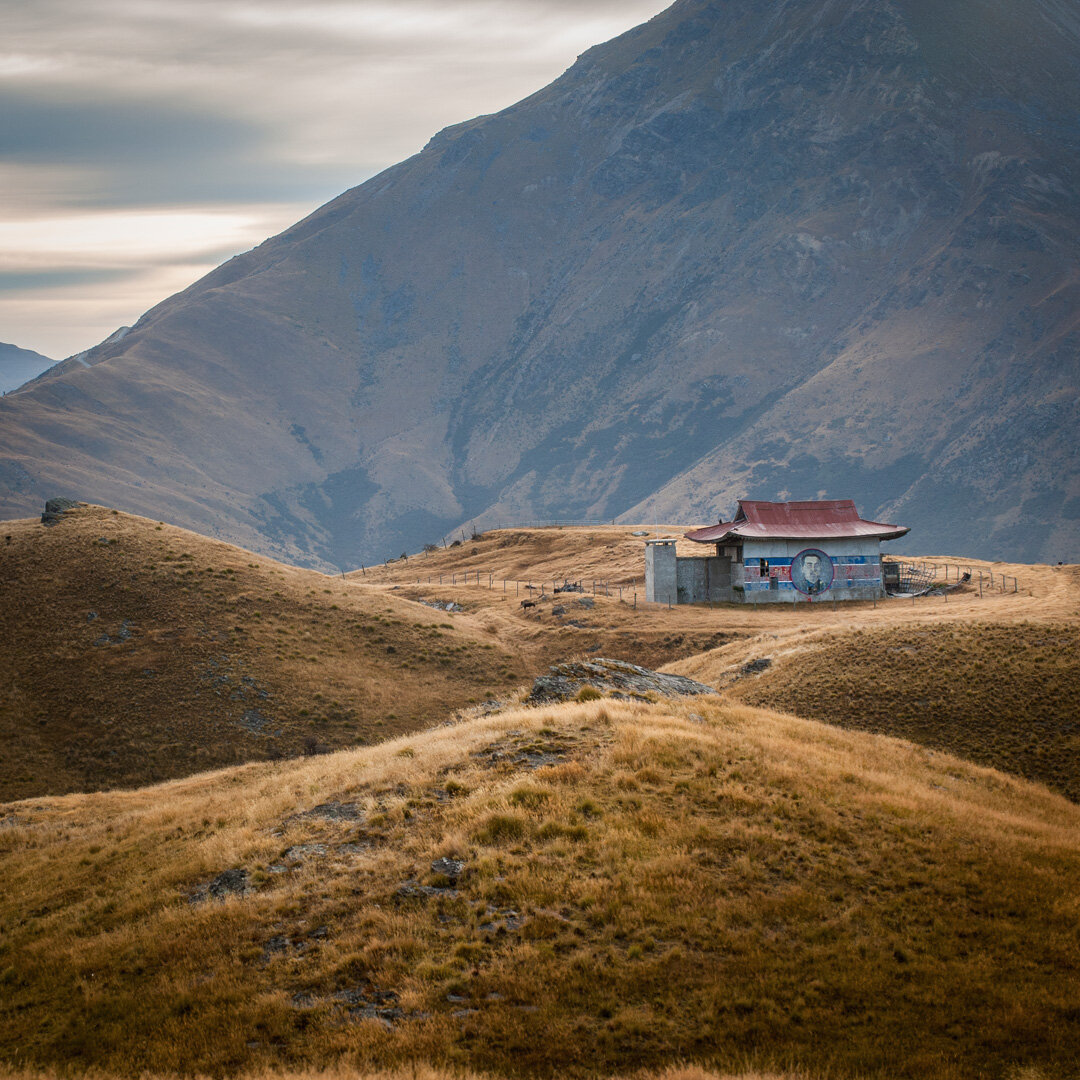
(775, 552)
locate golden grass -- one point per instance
(697, 882)
(233, 657)
(344, 1071)
(1003, 695)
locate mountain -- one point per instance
(18, 366)
(767, 249)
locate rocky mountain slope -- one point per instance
(771, 249)
(18, 366)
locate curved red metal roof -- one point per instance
(830, 519)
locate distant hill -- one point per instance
(18, 366)
(781, 248)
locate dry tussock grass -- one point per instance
(345, 1071)
(643, 884)
(139, 651)
(1004, 695)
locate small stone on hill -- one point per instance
(755, 667)
(228, 883)
(55, 508)
(564, 681)
(451, 869)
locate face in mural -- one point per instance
(811, 571)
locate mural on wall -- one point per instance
(812, 571)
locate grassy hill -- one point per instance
(598, 888)
(638, 884)
(137, 651)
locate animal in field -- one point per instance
(526, 604)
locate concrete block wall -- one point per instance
(703, 580)
(661, 574)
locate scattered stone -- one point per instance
(755, 667)
(564, 681)
(558, 609)
(253, 720)
(274, 946)
(442, 605)
(122, 635)
(413, 890)
(585, 602)
(501, 921)
(370, 1003)
(460, 1014)
(299, 852)
(640, 532)
(91, 616)
(334, 811)
(449, 868)
(518, 749)
(228, 883)
(55, 509)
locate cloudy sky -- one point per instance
(142, 142)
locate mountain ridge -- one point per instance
(778, 251)
(18, 366)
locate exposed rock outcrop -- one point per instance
(565, 681)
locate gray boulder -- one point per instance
(55, 508)
(564, 681)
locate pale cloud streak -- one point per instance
(238, 115)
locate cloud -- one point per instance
(118, 105)
(21, 281)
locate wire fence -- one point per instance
(922, 576)
(473, 531)
(913, 579)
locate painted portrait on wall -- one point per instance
(812, 571)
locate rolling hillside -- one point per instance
(678, 889)
(575, 890)
(785, 248)
(137, 651)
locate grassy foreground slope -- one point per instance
(136, 651)
(641, 884)
(1003, 696)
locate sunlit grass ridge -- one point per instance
(642, 884)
